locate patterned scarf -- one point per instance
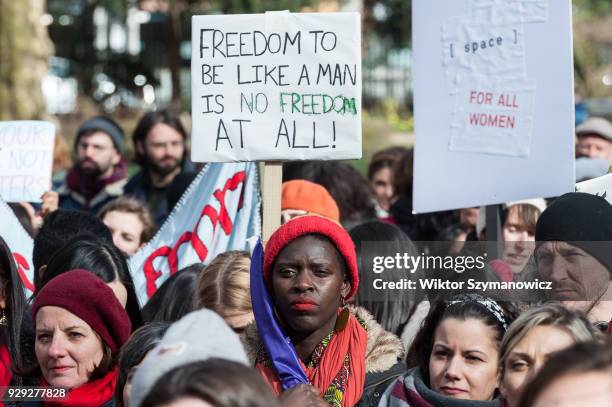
(411, 391)
(336, 366)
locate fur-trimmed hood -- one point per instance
(383, 350)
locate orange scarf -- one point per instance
(351, 341)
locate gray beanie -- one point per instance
(595, 125)
(105, 124)
(198, 336)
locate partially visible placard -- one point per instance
(21, 245)
(276, 86)
(26, 159)
(600, 186)
(493, 102)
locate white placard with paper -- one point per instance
(276, 86)
(493, 97)
(26, 159)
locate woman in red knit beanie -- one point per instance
(310, 269)
(79, 328)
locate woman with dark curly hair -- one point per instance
(454, 358)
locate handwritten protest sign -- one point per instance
(493, 97)
(26, 159)
(276, 86)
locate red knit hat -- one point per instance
(310, 197)
(305, 225)
(88, 297)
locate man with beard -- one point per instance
(159, 143)
(574, 252)
(100, 173)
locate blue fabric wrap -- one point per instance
(281, 351)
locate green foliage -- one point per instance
(392, 21)
(259, 6)
(586, 9)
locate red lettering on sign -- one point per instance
(492, 120)
(196, 242)
(173, 256)
(149, 270)
(221, 217)
(22, 265)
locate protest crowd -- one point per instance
(215, 334)
(145, 276)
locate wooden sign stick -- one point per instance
(272, 176)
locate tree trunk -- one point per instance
(24, 49)
(173, 48)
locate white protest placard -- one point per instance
(493, 102)
(26, 159)
(276, 86)
(600, 186)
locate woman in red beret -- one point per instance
(79, 327)
(310, 269)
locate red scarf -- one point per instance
(351, 341)
(5, 367)
(94, 393)
(88, 186)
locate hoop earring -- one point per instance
(3, 319)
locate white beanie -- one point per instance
(198, 336)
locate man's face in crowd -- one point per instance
(96, 154)
(163, 149)
(594, 146)
(575, 274)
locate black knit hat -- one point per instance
(583, 220)
(105, 124)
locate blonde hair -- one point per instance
(225, 283)
(550, 314)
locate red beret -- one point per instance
(305, 225)
(88, 297)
